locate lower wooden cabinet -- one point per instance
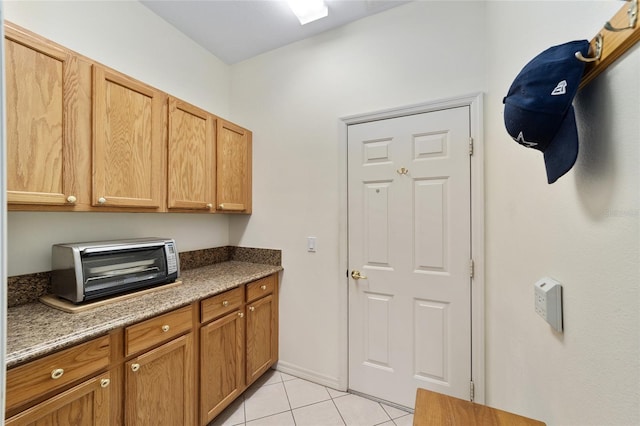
(159, 385)
(222, 351)
(148, 373)
(239, 346)
(262, 329)
(88, 403)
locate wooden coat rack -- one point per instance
(617, 36)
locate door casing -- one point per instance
(475, 103)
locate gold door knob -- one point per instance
(402, 171)
(71, 199)
(252, 308)
(356, 275)
(165, 328)
(135, 367)
(263, 287)
(225, 303)
(104, 383)
(57, 373)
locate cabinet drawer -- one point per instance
(55, 371)
(260, 288)
(157, 330)
(216, 306)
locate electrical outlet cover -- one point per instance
(548, 301)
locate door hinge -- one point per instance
(470, 146)
(472, 391)
(471, 268)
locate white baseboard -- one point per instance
(312, 376)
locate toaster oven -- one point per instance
(82, 272)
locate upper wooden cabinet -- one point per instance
(191, 157)
(128, 142)
(233, 161)
(44, 106)
(84, 137)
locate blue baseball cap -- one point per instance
(538, 110)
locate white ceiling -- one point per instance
(235, 30)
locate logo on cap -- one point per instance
(560, 89)
(521, 141)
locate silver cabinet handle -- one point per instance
(165, 328)
(102, 200)
(71, 199)
(104, 383)
(57, 373)
(135, 367)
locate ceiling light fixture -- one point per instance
(308, 10)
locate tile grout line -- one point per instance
(288, 400)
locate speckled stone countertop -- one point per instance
(35, 330)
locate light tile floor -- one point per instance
(278, 399)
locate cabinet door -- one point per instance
(128, 143)
(159, 386)
(88, 403)
(190, 157)
(221, 364)
(41, 85)
(233, 168)
(262, 336)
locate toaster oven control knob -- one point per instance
(135, 367)
(57, 373)
(165, 328)
(71, 199)
(102, 200)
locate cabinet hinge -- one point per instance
(470, 146)
(471, 268)
(472, 391)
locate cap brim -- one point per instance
(562, 152)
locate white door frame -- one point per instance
(475, 103)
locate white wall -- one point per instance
(293, 99)
(583, 230)
(128, 37)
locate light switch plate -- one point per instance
(311, 244)
(548, 301)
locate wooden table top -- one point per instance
(435, 409)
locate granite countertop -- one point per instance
(35, 330)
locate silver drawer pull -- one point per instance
(165, 328)
(57, 373)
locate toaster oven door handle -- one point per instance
(93, 250)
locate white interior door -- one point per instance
(409, 223)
